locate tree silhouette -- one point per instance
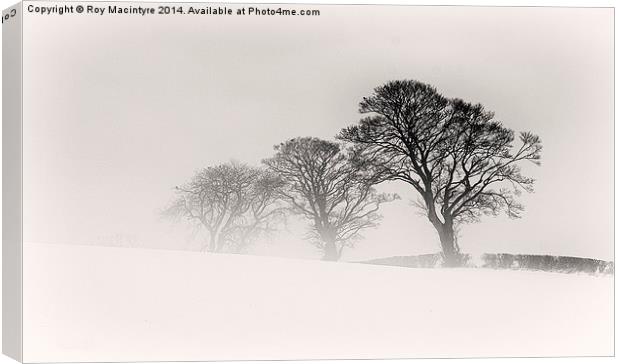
(233, 202)
(460, 160)
(324, 185)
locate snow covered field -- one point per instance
(84, 303)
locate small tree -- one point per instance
(235, 203)
(461, 161)
(324, 185)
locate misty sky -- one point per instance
(119, 110)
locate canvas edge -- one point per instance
(12, 237)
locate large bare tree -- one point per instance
(323, 184)
(461, 161)
(233, 202)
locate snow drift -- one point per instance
(84, 303)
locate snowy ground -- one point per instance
(84, 303)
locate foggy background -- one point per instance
(120, 109)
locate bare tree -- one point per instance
(461, 161)
(234, 202)
(324, 185)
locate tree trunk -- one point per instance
(449, 249)
(328, 236)
(330, 252)
(220, 244)
(212, 242)
(445, 229)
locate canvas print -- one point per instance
(304, 181)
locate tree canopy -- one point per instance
(233, 202)
(323, 184)
(456, 155)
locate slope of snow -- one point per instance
(84, 303)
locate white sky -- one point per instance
(119, 109)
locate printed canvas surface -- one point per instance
(230, 181)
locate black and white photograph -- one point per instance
(229, 181)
